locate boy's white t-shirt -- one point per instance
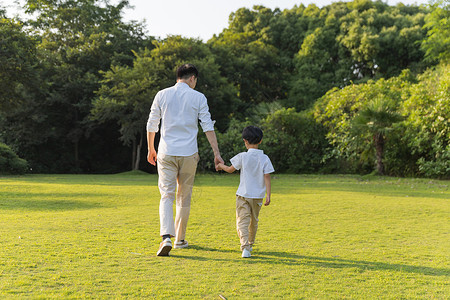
(253, 165)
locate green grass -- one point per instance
(322, 237)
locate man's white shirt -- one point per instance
(253, 165)
(179, 108)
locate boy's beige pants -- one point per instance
(247, 212)
(176, 176)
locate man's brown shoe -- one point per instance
(164, 247)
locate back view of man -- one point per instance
(178, 109)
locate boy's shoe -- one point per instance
(246, 253)
(164, 247)
(180, 244)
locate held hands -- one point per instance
(217, 161)
(219, 166)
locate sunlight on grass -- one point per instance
(325, 237)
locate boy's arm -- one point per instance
(228, 169)
(268, 188)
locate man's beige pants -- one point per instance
(176, 176)
(247, 212)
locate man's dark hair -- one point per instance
(187, 70)
(252, 134)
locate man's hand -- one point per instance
(267, 200)
(218, 160)
(151, 157)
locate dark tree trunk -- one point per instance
(133, 154)
(138, 153)
(379, 146)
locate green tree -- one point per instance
(352, 148)
(248, 60)
(17, 63)
(376, 120)
(77, 39)
(355, 42)
(437, 42)
(127, 93)
(427, 128)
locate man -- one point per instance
(178, 108)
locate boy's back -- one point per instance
(253, 165)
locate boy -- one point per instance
(255, 169)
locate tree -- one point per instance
(352, 142)
(427, 127)
(248, 60)
(17, 63)
(127, 93)
(355, 42)
(437, 42)
(376, 120)
(76, 40)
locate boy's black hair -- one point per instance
(252, 134)
(187, 70)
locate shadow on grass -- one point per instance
(41, 202)
(332, 262)
(284, 258)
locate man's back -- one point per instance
(179, 108)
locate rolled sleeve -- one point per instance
(205, 117)
(155, 116)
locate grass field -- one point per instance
(322, 237)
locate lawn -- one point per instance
(322, 237)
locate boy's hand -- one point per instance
(218, 167)
(267, 201)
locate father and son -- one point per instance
(179, 109)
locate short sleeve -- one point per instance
(236, 161)
(268, 168)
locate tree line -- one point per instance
(355, 86)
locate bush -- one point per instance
(293, 141)
(10, 163)
(230, 144)
(426, 130)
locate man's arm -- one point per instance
(268, 188)
(151, 156)
(212, 139)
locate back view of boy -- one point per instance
(255, 169)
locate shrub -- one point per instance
(10, 163)
(294, 141)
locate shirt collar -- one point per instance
(255, 150)
(182, 84)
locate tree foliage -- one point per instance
(427, 128)
(76, 40)
(17, 63)
(416, 143)
(437, 42)
(127, 93)
(325, 83)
